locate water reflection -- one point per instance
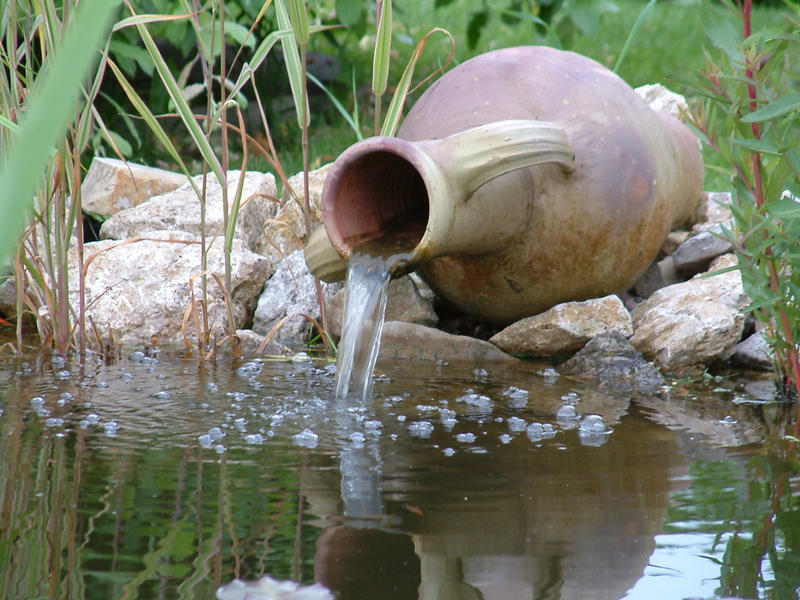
(561, 520)
(449, 484)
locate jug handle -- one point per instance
(479, 154)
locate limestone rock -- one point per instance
(565, 327)
(404, 303)
(674, 239)
(290, 291)
(659, 275)
(287, 231)
(691, 324)
(661, 99)
(697, 252)
(754, 352)
(112, 185)
(139, 290)
(251, 341)
(610, 360)
(714, 208)
(413, 342)
(179, 210)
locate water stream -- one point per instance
(369, 271)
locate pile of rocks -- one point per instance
(143, 278)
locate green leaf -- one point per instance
(774, 109)
(135, 54)
(294, 67)
(757, 145)
(239, 34)
(585, 18)
(51, 105)
(349, 12)
(383, 47)
(299, 18)
(176, 96)
(641, 19)
(476, 24)
(395, 110)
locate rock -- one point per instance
(674, 239)
(8, 297)
(659, 275)
(412, 342)
(565, 327)
(404, 303)
(610, 360)
(141, 290)
(661, 99)
(688, 325)
(287, 231)
(179, 210)
(714, 208)
(251, 341)
(290, 291)
(754, 352)
(112, 185)
(697, 252)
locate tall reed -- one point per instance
(47, 49)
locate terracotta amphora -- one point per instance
(522, 178)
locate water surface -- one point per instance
(166, 477)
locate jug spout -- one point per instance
(426, 199)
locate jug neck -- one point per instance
(424, 196)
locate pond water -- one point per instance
(168, 476)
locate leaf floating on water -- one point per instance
(268, 588)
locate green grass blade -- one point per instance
(299, 18)
(294, 68)
(185, 111)
(149, 118)
(351, 121)
(395, 111)
(637, 25)
(383, 47)
(51, 105)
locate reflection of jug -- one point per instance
(522, 178)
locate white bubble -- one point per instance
(465, 438)
(205, 440)
(421, 429)
(254, 438)
(306, 439)
(216, 433)
(515, 424)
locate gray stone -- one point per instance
(714, 208)
(412, 342)
(659, 275)
(286, 232)
(674, 239)
(290, 293)
(112, 185)
(610, 360)
(179, 210)
(251, 342)
(564, 328)
(404, 303)
(754, 352)
(697, 252)
(140, 290)
(686, 326)
(661, 99)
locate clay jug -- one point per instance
(522, 178)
